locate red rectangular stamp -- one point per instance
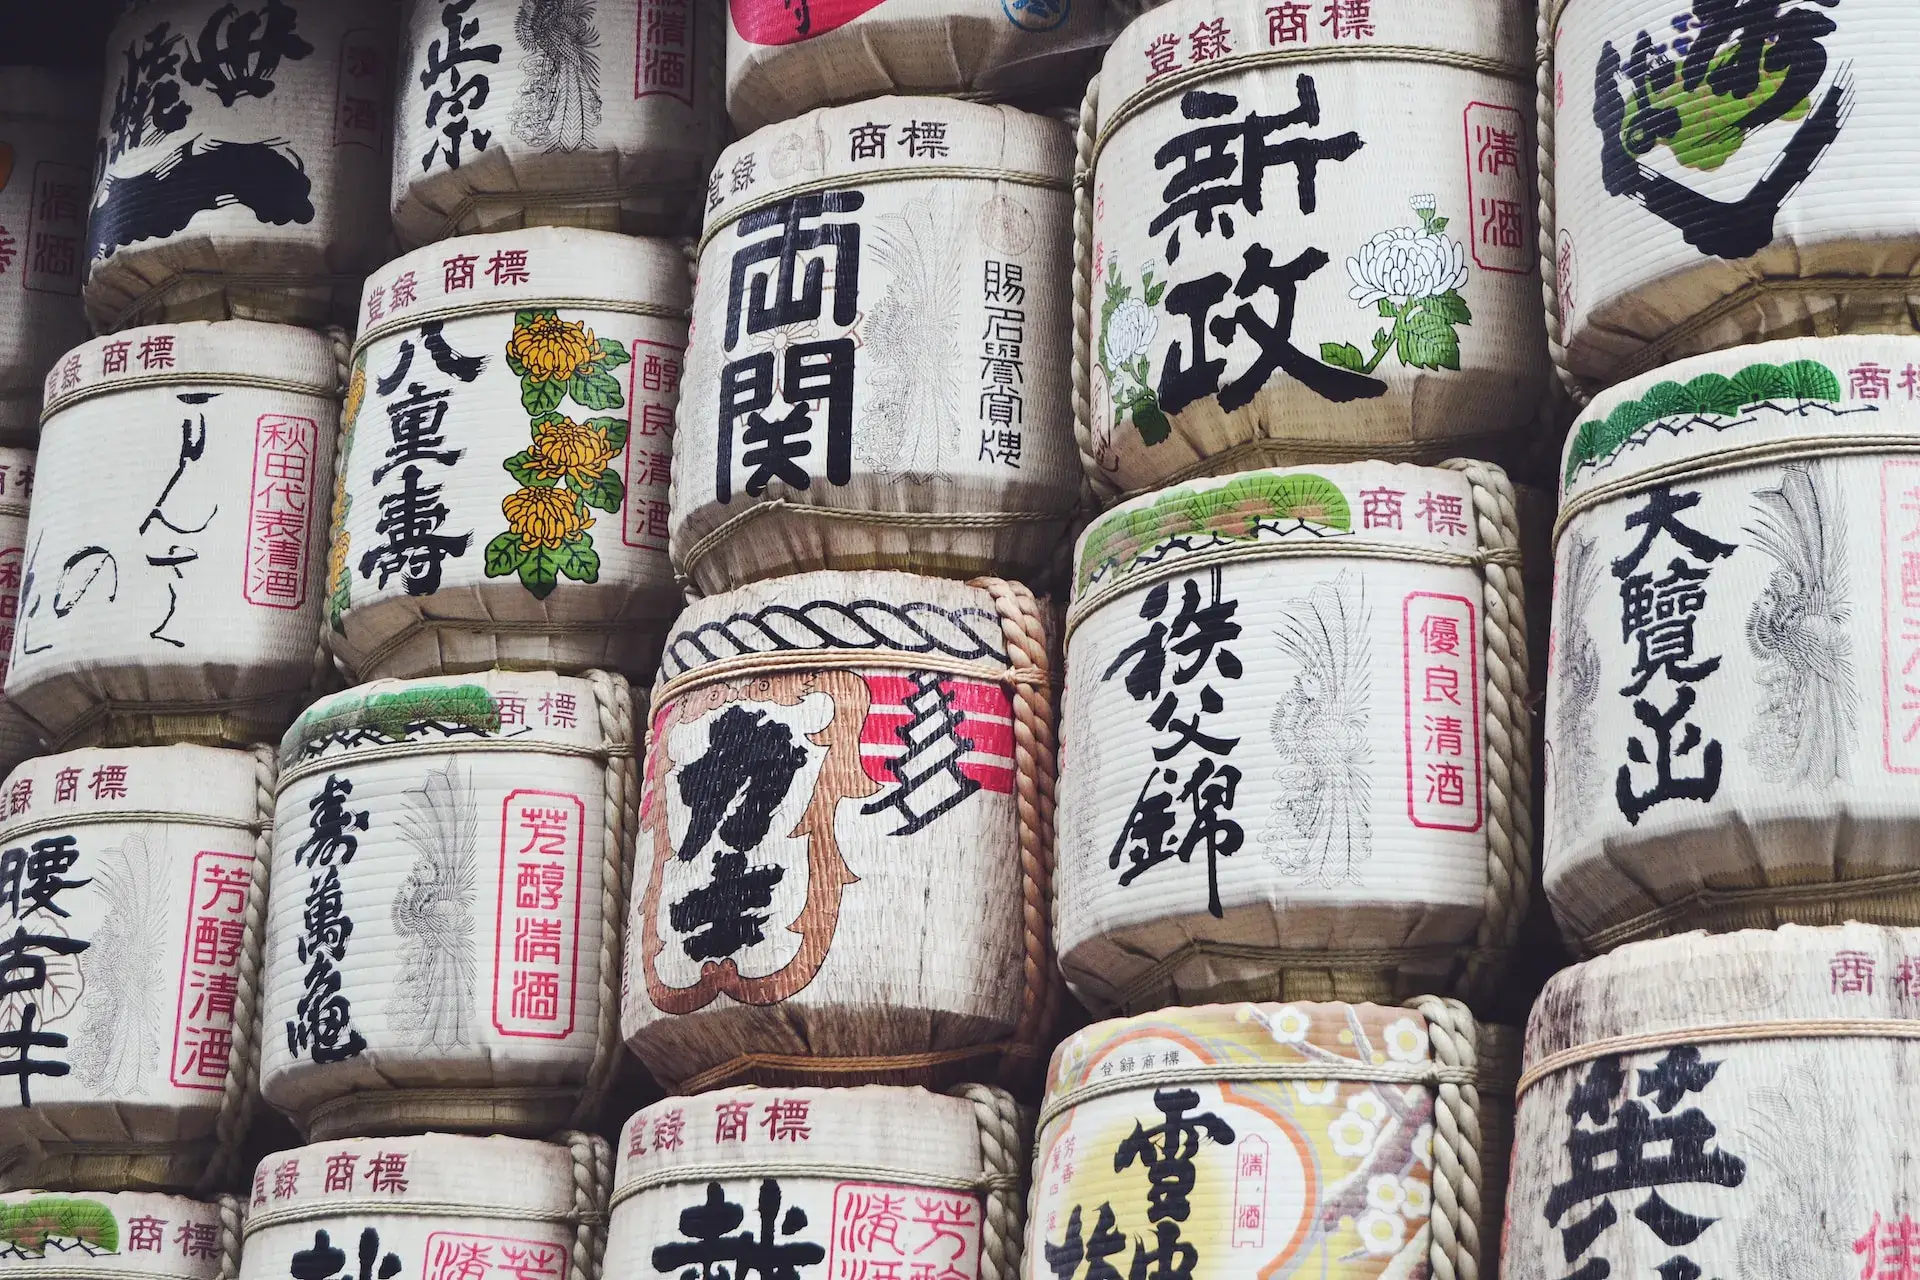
(663, 52)
(360, 109)
(1441, 666)
(889, 1232)
(210, 969)
(1900, 615)
(1499, 191)
(536, 946)
(280, 512)
(56, 245)
(459, 1255)
(653, 392)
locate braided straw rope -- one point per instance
(1457, 1203)
(592, 1183)
(325, 674)
(1545, 81)
(233, 1220)
(1004, 1156)
(613, 697)
(1097, 489)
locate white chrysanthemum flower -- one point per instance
(1385, 1193)
(1317, 1093)
(1405, 263)
(1423, 1145)
(1418, 1197)
(1352, 1136)
(1380, 1232)
(1367, 1105)
(1406, 1041)
(1424, 202)
(1289, 1025)
(1130, 331)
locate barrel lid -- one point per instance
(537, 710)
(465, 1177)
(902, 1135)
(1176, 46)
(531, 268)
(1794, 397)
(886, 139)
(133, 1233)
(41, 93)
(210, 352)
(1697, 982)
(214, 785)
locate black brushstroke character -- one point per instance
(267, 177)
(410, 520)
(464, 92)
(928, 771)
(23, 969)
(708, 1247)
(34, 874)
(1064, 1259)
(239, 52)
(325, 1262)
(146, 101)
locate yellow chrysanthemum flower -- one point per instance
(552, 349)
(568, 450)
(548, 518)
(356, 394)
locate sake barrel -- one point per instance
(171, 587)
(133, 884)
(1248, 1139)
(784, 60)
(509, 423)
(431, 1205)
(1730, 740)
(878, 376)
(138, 1235)
(46, 128)
(410, 813)
(1335, 258)
(846, 837)
(1704, 200)
(869, 1180)
(1296, 739)
(591, 114)
(1736, 1104)
(241, 160)
(19, 738)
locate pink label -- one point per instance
(653, 390)
(1499, 193)
(57, 228)
(10, 561)
(1441, 664)
(282, 505)
(210, 969)
(456, 1255)
(1250, 1193)
(663, 52)
(360, 110)
(536, 949)
(890, 1232)
(1900, 615)
(918, 725)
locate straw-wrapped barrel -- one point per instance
(46, 141)
(127, 1235)
(502, 494)
(432, 1206)
(19, 737)
(172, 580)
(1723, 176)
(846, 837)
(1397, 317)
(242, 162)
(1731, 725)
(1259, 1139)
(1716, 1106)
(869, 1181)
(597, 114)
(1296, 739)
(878, 376)
(451, 862)
(133, 887)
(785, 59)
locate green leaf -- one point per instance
(1141, 372)
(503, 555)
(1386, 308)
(604, 493)
(1437, 224)
(1343, 355)
(514, 363)
(616, 429)
(1155, 293)
(1713, 393)
(596, 391)
(1428, 342)
(612, 354)
(540, 571)
(1152, 423)
(520, 467)
(540, 397)
(525, 319)
(579, 561)
(1449, 306)
(1811, 380)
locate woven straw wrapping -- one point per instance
(1298, 740)
(530, 379)
(1745, 216)
(171, 589)
(1398, 264)
(244, 162)
(880, 1176)
(1353, 1140)
(877, 376)
(595, 115)
(1730, 731)
(431, 1204)
(126, 1235)
(878, 908)
(784, 60)
(476, 832)
(139, 881)
(46, 136)
(18, 736)
(1777, 1063)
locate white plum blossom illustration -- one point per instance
(1385, 1193)
(1380, 1232)
(1367, 1105)
(1423, 1145)
(1317, 1093)
(1406, 1041)
(1412, 276)
(1289, 1025)
(1418, 1196)
(1351, 1136)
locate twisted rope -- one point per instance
(1005, 1156)
(1545, 84)
(613, 698)
(1457, 1207)
(1096, 489)
(592, 1182)
(325, 674)
(233, 1219)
